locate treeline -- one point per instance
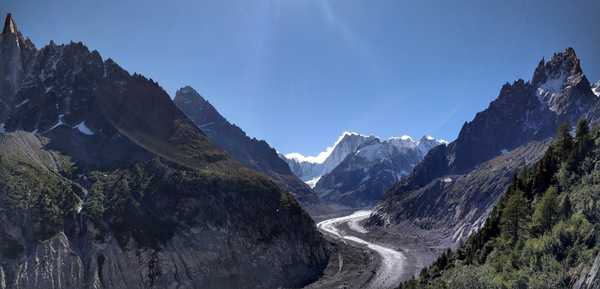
(543, 232)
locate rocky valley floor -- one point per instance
(370, 259)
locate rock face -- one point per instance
(508, 132)
(104, 183)
(589, 279)
(363, 176)
(357, 169)
(15, 53)
(253, 153)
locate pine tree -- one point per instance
(564, 142)
(583, 139)
(545, 212)
(566, 208)
(583, 130)
(515, 217)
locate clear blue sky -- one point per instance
(299, 72)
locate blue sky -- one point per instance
(298, 73)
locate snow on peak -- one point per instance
(313, 182)
(322, 156)
(596, 89)
(371, 148)
(405, 138)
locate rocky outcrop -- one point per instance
(104, 183)
(253, 153)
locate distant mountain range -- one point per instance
(456, 185)
(105, 183)
(357, 169)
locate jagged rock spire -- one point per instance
(561, 63)
(9, 25)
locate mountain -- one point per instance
(104, 183)
(310, 169)
(542, 232)
(596, 88)
(455, 187)
(15, 54)
(357, 169)
(364, 175)
(253, 153)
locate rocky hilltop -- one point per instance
(104, 183)
(454, 188)
(253, 153)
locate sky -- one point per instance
(298, 73)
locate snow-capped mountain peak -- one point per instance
(552, 80)
(320, 158)
(360, 148)
(596, 88)
(311, 167)
(373, 165)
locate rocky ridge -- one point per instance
(253, 153)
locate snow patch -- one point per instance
(84, 129)
(447, 180)
(58, 123)
(22, 103)
(322, 156)
(551, 90)
(313, 182)
(596, 89)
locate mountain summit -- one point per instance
(16, 53)
(253, 153)
(561, 85)
(9, 25)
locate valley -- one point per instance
(393, 265)
(110, 179)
